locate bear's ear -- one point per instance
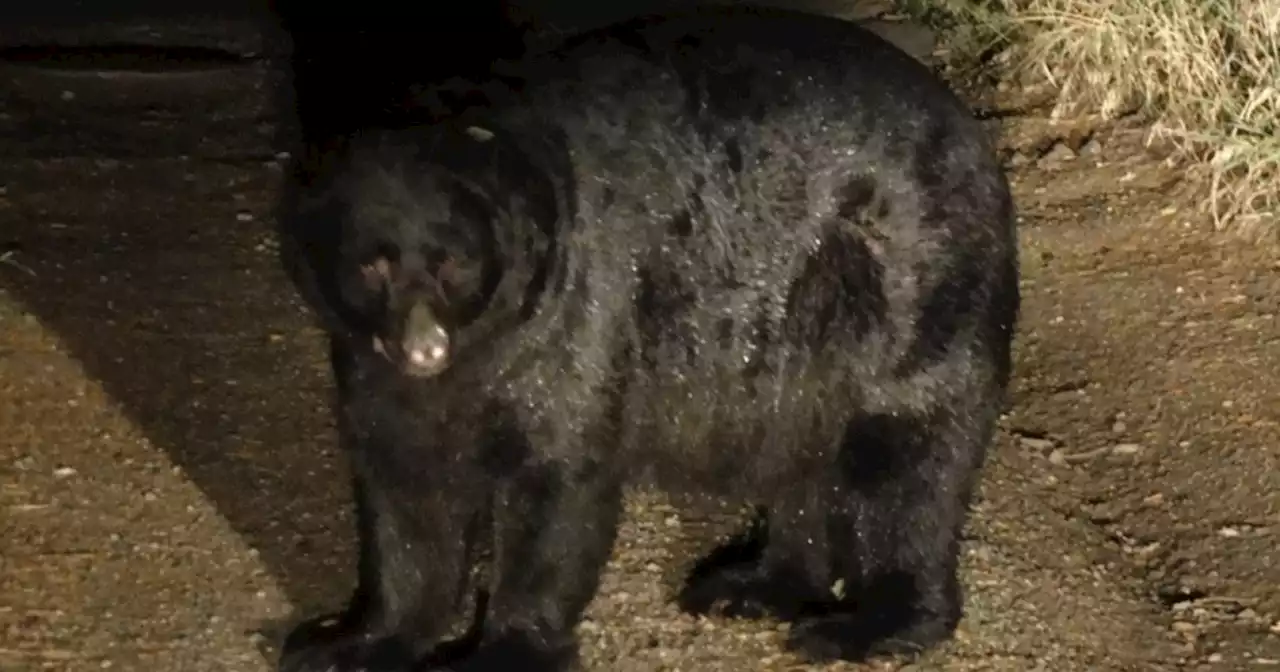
(376, 274)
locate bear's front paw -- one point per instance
(517, 652)
(325, 645)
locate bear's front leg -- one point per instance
(555, 525)
(418, 519)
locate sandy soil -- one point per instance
(158, 380)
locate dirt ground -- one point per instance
(158, 380)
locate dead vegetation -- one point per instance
(1206, 73)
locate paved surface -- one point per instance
(158, 380)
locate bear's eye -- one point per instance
(457, 278)
(448, 271)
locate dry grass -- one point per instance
(1207, 71)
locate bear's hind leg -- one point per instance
(894, 531)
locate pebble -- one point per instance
(1059, 153)
(1126, 449)
(1036, 444)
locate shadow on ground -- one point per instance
(136, 215)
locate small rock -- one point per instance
(1059, 154)
(480, 134)
(1032, 443)
(1147, 549)
(1126, 449)
(64, 472)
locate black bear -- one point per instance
(741, 252)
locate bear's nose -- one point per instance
(426, 343)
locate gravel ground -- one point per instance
(158, 379)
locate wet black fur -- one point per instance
(737, 253)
